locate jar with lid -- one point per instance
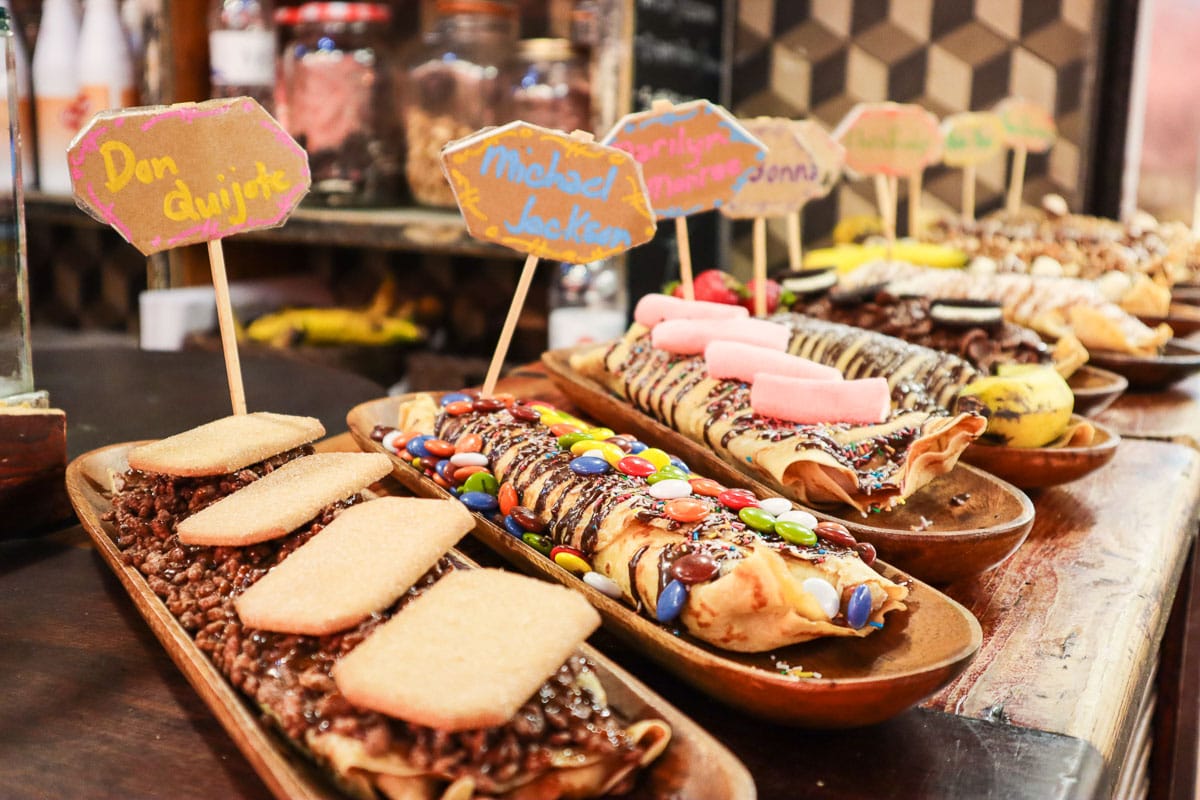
(546, 83)
(336, 100)
(452, 88)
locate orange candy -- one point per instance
(458, 408)
(439, 447)
(440, 481)
(508, 499)
(706, 487)
(563, 428)
(686, 509)
(462, 473)
(469, 443)
(504, 397)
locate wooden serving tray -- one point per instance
(1179, 359)
(1040, 467)
(863, 681)
(958, 526)
(693, 765)
(1095, 389)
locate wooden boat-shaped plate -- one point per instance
(1095, 389)
(1180, 358)
(863, 681)
(960, 525)
(1039, 467)
(1183, 318)
(693, 765)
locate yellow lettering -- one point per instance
(239, 216)
(163, 165)
(209, 207)
(177, 205)
(117, 179)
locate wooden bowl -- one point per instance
(693, 765)
(1039, 467)
(1179, 359)
(862, 681)
(958, 526)
(1095, 389)
(1183, 318)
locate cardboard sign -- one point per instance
(828, 153)
(895, 139)
(782, 182)
(550, 195)
(166, 176)
(1027, 125)
(694, 156)
(971, 138)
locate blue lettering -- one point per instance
(580, 228)
(505, 163)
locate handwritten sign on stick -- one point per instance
(828, 152)
(971, 137)
(1027, 125)
(166, 176)
(893, 139)
(783, 181)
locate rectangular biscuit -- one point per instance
(283, 500)
(226, 445)
(468, 652)
(365, 559)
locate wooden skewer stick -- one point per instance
(914, 203)
(795, 261)
(510, 325)
(968, 193)
(685, 257)
(760, 266)
(229, 344)
(1016, 184)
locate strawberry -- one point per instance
(714, 286)
(775, 295)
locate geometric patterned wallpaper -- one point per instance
(817, 58)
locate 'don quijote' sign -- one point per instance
(554, 196)
(694, 155)
(167, 176)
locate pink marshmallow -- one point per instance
(654, 308)
(809, 402)
(689, 337)
(740, 362)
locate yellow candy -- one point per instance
(572, 563)
(601, 433)
(552, 417)
(611, 453)
(656, 457)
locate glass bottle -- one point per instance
(452, 88)
(588, 303)
(547, 84)
(241, 49)
(57, 105)
(105, 65)
(24, 112)
(16, 370)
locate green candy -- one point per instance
(481, 482)
(669, 472)
(569, 440)
(538, 542)
(794, 532)
(757, 519)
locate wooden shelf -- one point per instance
(425, 230)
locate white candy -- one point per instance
(775, 505)
(670, 489)
(606, 585)
(796, 515)
(983, 265)
(469, 460)
(825, 594)
(389, 441)
(593, 454)
(1046, 267)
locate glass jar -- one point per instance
(337, 95)
(452, 88)
(547, 84)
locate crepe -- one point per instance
(870, 467)
(757, 600)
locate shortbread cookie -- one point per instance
(225, 445)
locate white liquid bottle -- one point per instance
(56, 84)
(105, 66)
(24, 113)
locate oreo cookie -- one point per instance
(808, 282)
(962, 313)
(847, 298)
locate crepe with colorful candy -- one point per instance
(736, 572)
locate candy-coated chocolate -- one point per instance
(619, 441)
(469, 443)
(565, 429)
(686, 509)
(459, 407)
(706, 487)
(439, 447)
(670, 489)
(455, 397)
(538, 542)
(416, 446)
(513, 527)
(825, 594)
(393, 440)
(678, 462)
(737, 499)
(656, 457)
(570, 559)
(609, 452)
(569, 440)
(551, 418)
(636, 466)
(835, 533)
(462, 473)
(445, 469)
(430, 463)
(486, 405)
(775, 505)
(478, 501)
(505, 397)
(668, 473)
(469, 460)
(694, 568)
(866, 552)
(528, 519)
(796, 515)
(637, 447)
(603, 584)
(442, 482)
(670, 601)
(588, 465)
(757, 519)
(507, 497)
(524, 414)
(482, 482)
(600, 434)
(795, 533)
(858, 607)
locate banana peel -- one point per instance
(848, 257)
(373, 326)
(1026, 405)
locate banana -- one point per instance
(331, 326)
(1027, 405)
(847, 257)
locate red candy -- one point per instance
(835, 533)
(507, 496)
(439, 447)
(458, 408)
(737, 499)
(621, 442)
(486, 405)
(523, 414)
(866, 551)
(686, 509)
(636, 466)
(527, 518)
(706, 487)
(694, 568)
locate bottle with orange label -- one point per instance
(56, 83)
(105, 65)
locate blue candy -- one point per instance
(443, 467)
(416, 446)
(671, 601)
(589, 465)
(513, 527)
(454, 397)
(859, 606)
(677, 461)
(637, 447)
(479, 501)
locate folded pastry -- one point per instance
(759, 591)
(564, 742)
(1054, 307)
(870, 467)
